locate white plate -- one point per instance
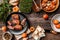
(56, 17)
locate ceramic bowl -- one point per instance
(8, 33)
(22, 16)
(56, 17)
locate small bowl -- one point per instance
(8, 33)
(56, 17)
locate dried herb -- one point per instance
(4, 10)
(25, 6)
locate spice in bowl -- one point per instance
(7, 36)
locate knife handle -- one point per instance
(50, 31)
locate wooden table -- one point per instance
(36, 19)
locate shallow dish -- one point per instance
(56, 17)
(21, 18)
(57, 5)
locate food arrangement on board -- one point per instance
(17, 23)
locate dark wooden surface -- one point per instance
(36, 19)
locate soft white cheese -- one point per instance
(38, 33)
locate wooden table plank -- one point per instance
(36, 19)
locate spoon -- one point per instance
(35, 7)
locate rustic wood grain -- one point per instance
(36, 19)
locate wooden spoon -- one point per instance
(35, 7)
